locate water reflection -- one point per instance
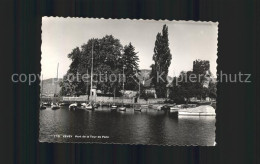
(146, 127)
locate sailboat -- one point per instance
(73, 106)
(122, 108)
(138, 106)
(55, 105)
(113, 106)
(90, 105)
(42, 106)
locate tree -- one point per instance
(175, 91)
(131, 67)
(162, 60)
(70, 86)
(201, 68)
(108, 56)
(212, 89)
(193, 83)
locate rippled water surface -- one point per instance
(146, 127)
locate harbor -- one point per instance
(198, 108)
(150, 126)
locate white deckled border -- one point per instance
(147, 20)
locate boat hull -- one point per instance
(174, 109)
(55, 107)
(43, 107)
(113, 107)
(89, 108)
(122, 108)
(138, 110)
(195, 114)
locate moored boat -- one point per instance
(122, 108)
(204, 110)
(85, 106)
(95, 105)
(138, 109)
(43, 106)
(195, 114)
(89, 106)
(174, 109)
(73, 106)
(159, 107)
(55, 106)
(64, 104)
(113, 107)
(47, 104)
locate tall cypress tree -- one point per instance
(162, 60)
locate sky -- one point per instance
(188, 41)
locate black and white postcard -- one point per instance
(123, 81)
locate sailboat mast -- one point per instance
(139, 89)
(123, 80)
(87, 84)
(56, 79)
(57, 70)
(123, 84)
(41, 88)
(91, 76)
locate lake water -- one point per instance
(106, 126)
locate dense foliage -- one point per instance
(197, 83)
(109, 59)
(162, 59)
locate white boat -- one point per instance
(174, 109)
(113, 107)
(203, 110)
(85, 106)
(122, 108)
(159, 107)
(47, 104)
(207, 114)
(43, 106)
(55, 106)
(196, 114)
(73, 106)
(89, 107)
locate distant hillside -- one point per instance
(49, 86)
